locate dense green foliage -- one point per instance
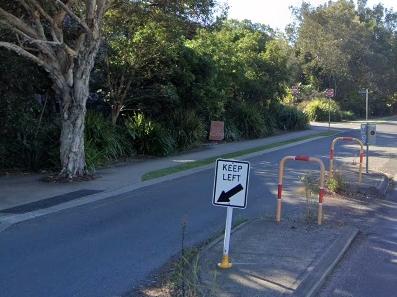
(234, 71)
(166, 69)
(188, 129)
(319, 109)
(148, 137)
(289, 117)
(103, 142)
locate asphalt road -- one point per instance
(108, 247)
(369, 269)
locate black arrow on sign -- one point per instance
(225, 197)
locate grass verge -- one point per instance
(186, 166)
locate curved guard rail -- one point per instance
(332, 155)
(280, 184)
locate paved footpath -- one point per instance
(19, 190)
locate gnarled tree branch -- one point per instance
(20, 51)
(42, 11)
(18, 23)
(42, 45)
(103, 5)
(67, 9)
(90, 10)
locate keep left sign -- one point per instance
(231, 183)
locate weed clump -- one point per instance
(335, 183)
(311, 190)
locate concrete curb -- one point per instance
(313, 281)
(317, 273)
(378, 190)
(7, 221)
(383, 185)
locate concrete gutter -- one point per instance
(312, 283)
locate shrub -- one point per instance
(336, 183)
(232, 133)
(249, 121)
(103, 141)
(348, 115)
(289, 117)
(188, 129)
(317, 110)
(148, 137)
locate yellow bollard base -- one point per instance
(225, 264)
(320, 214)
(278, 211)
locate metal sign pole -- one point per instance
(329, 112)
(230, 190)
(366, 106)
(225, 264)
(366, 142)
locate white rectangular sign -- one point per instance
(371, 137)
(231, 183)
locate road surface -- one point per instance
(108, 247)
(369, 269)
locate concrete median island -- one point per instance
(272, 259)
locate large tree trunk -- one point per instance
(74, 98)
(72, 151)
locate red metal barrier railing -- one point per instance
(332, 155)
(280, 184)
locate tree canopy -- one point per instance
(349, 48)
(154, 74)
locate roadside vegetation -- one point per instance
(199, 163)
(336, 183)
(165, 70)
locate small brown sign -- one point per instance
(217, 130)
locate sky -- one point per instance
(276, 13)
